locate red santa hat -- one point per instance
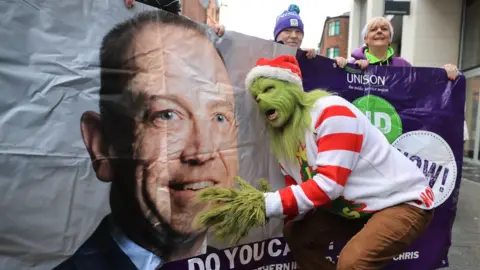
(283, 68)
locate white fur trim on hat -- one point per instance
(274, 73)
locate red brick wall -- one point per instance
(339, 41)
(212, 13)
(194, 10)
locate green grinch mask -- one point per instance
(287, 111)
(274, 100)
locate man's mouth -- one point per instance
(191, 186)
(271, 114)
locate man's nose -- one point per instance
(198, 147)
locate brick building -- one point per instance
(213, 12)
(202, 11)
(334, 40)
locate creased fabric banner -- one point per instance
(55, 209)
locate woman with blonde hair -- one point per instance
(378, 35)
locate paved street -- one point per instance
(471, 171)
(465, 251)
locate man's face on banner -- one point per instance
(185, 129)
(188, 141)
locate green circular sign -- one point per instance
(382, 115)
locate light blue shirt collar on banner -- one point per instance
(141, 258)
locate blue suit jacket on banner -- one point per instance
(101, 252)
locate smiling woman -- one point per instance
(378, 35)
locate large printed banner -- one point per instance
(107, 133)
(421, 114)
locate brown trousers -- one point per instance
(373, 241)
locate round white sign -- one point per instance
(432, 154)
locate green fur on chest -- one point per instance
(339, 206)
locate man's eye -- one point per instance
(220, 118)
(167, 115)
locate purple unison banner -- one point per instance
(410, 106)
(421, 113)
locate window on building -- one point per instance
(332, 52)
(471, 35)
(334, 28)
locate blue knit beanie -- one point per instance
(288, 19)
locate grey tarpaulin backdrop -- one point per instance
(50, 199)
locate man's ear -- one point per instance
(98, 149)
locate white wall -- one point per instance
(353, 32)
(471, 54)
(431, 33)
(375, 8)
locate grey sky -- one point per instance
(257, 17)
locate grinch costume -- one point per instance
(344, 180)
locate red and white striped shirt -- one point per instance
(348, 167)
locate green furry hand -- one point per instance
(234, 211)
